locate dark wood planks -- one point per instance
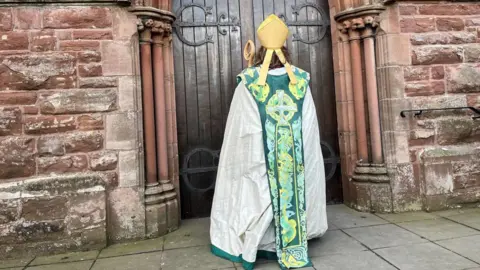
(205, 80)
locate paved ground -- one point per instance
(447, 240)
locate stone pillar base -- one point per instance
(161, 211)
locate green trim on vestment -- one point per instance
(280, 105)
(261, 254)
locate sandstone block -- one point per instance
(103, 161)
(28, 18)
(443, 38)
(79, 45)
(472, 53)
(466, 181)
(126, 93)
(450, 24)
(81, 17)
(40, 231)
(9, 210)
(90, 70)
(472, 22)
(17, 157)
(92, 34)
(438, 72)
(417, 25)
(43, 41)
(117, 58)
(30, 109)
(128, 169)
(89, 56)
(438, 178)
(127, 215)
(473, 100)
(421, 137)
(90, 122)
(35, 209)
(13, 41)
(407, 9)
(457, 131)
(63, 34)
(17, 98)
(51, 146)
(416, 73)
(79, 101)
(463, 79)
(425, 88)
(48, 124)
(436, 55)
(86, 211)
(59, 165)
(99, 82)
(5, 19)
(10, 121)
(36, 71)
(120, 134)
(83, 142)
(455, 9)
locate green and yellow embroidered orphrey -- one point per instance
(280, 105)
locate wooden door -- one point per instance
(208, 54)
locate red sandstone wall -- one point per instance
(68, 106)
(441, 68)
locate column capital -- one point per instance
(359, 19)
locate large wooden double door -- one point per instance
(208, 54)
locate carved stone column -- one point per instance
(370, 187)
(161, 200)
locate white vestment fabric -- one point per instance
(242, 215)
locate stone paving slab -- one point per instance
(191, 233)
(354, 241)
(426, 256)
(63, 258)
(145, 261)
(438, 229)
(15, 263)
(381, 236)
(365, 260)
(343, 217)
(132, 248)
(86, 265)
(468, 247)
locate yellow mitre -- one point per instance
(273, 33)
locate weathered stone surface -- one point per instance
(5, 19)
(92, 34)
(9, 211)
(457, 130)
(90, 70)
(81, 17)
(417, 25)
(454, 9)
(87, 210)
(39, 231)
(13, 41)
(103, 161)
(128, 168)
(98, 82)
(473, 100)
(450, 24)
(28, 18)
(463, 79)
(436, 55)
(79, 101)
(472, 53)
(62, 185)
(66, 164)
(466, 181)
(472, 22)
(90, 122)
(17, 98)
(17, 157)
(48, 124)
(89, 56)
(126, 93)
(51, 146)
(79, 45)
(83, 142)
(35, 209)
(127, 215)
(10, 121)
(439, 102)
(120, 135)
(117, 58)
(425, 88)
(443, 38)
(438, 178)
(43, 41)
(30, 109)
(407, 9)
(36, 71)
(438, 72)
(416, 73)
(421, 137)
(63, 34)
